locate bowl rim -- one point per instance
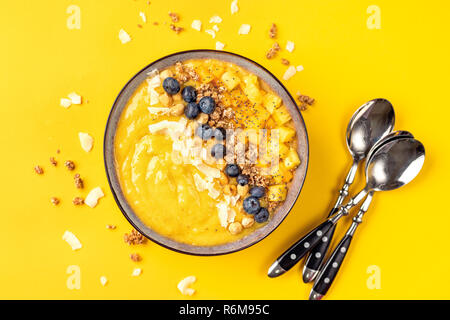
(106, 159)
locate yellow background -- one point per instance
(405, 233)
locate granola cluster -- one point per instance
(185, 73)
(305, 101)
(134, 238)
(273, 51)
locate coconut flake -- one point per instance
(66, 103)
(124, 37)
(86, 141)
(72, 240)
(215, 28)
(103, 280)
(74, 98)
(220, 45)
(289, 73)
(290, 46)
(299, 68)
(136, 272)
(234, 7)
(212, 33)
(184, 284)
(244, 29)
(197, 25)
(215, 19)
(93, 197)
(143, 17)
(158, 111)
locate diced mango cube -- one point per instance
(281, 174)
(251, 79)
(253, 93)
(205, 75)
(271, 102)
(216, 68)
(286, 133)
(277, 192)
(230, 79)
(283, 150)
(292, 160)
(270, 123)
(281, 115)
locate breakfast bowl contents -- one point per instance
(205, 151)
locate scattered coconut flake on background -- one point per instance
(184, 284)
(74, 98)
(143, 17)
(136, 272)
(72, 240)
(290, 46)
(93, 197)
(197, 25)
(299, 68)
(86, 141)
(220, 45)
(215, 19)
(212, 33)
(234, 6)
(103, 280)
(64, 102)
(215, 28)
(289, 73)
(124, 37)
(244, 29)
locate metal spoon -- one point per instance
(369, 123)
(392, 166)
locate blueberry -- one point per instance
(207, 105)
(218, 151)
(220, 134)
(232, 170)
(205, 132)
(242, 179)
(262, 215)
(251, 205)
(189, 94)
(171, 85)
(258, 192)
(192, 110)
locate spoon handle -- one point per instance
(299, 249)
(318, 253)
(330, 269)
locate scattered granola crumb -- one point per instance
(234, 7)
(244, 29)
(174, 16)
(155, 23)
(55, 201)
(134, 238)
(69, 165)
(176, 28)
(78, 201)
(110, 226)
(273, 31)
(285, 61)
(78, 181)
(184, 73)
(305, 101)
(273, 51)
(290, 46)
(38, 170)
(135, 257)
(139, 25)
(58, 151)
(53, 161)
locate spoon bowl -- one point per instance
(388, 138)
(395, 164)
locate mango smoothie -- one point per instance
(205, 152)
